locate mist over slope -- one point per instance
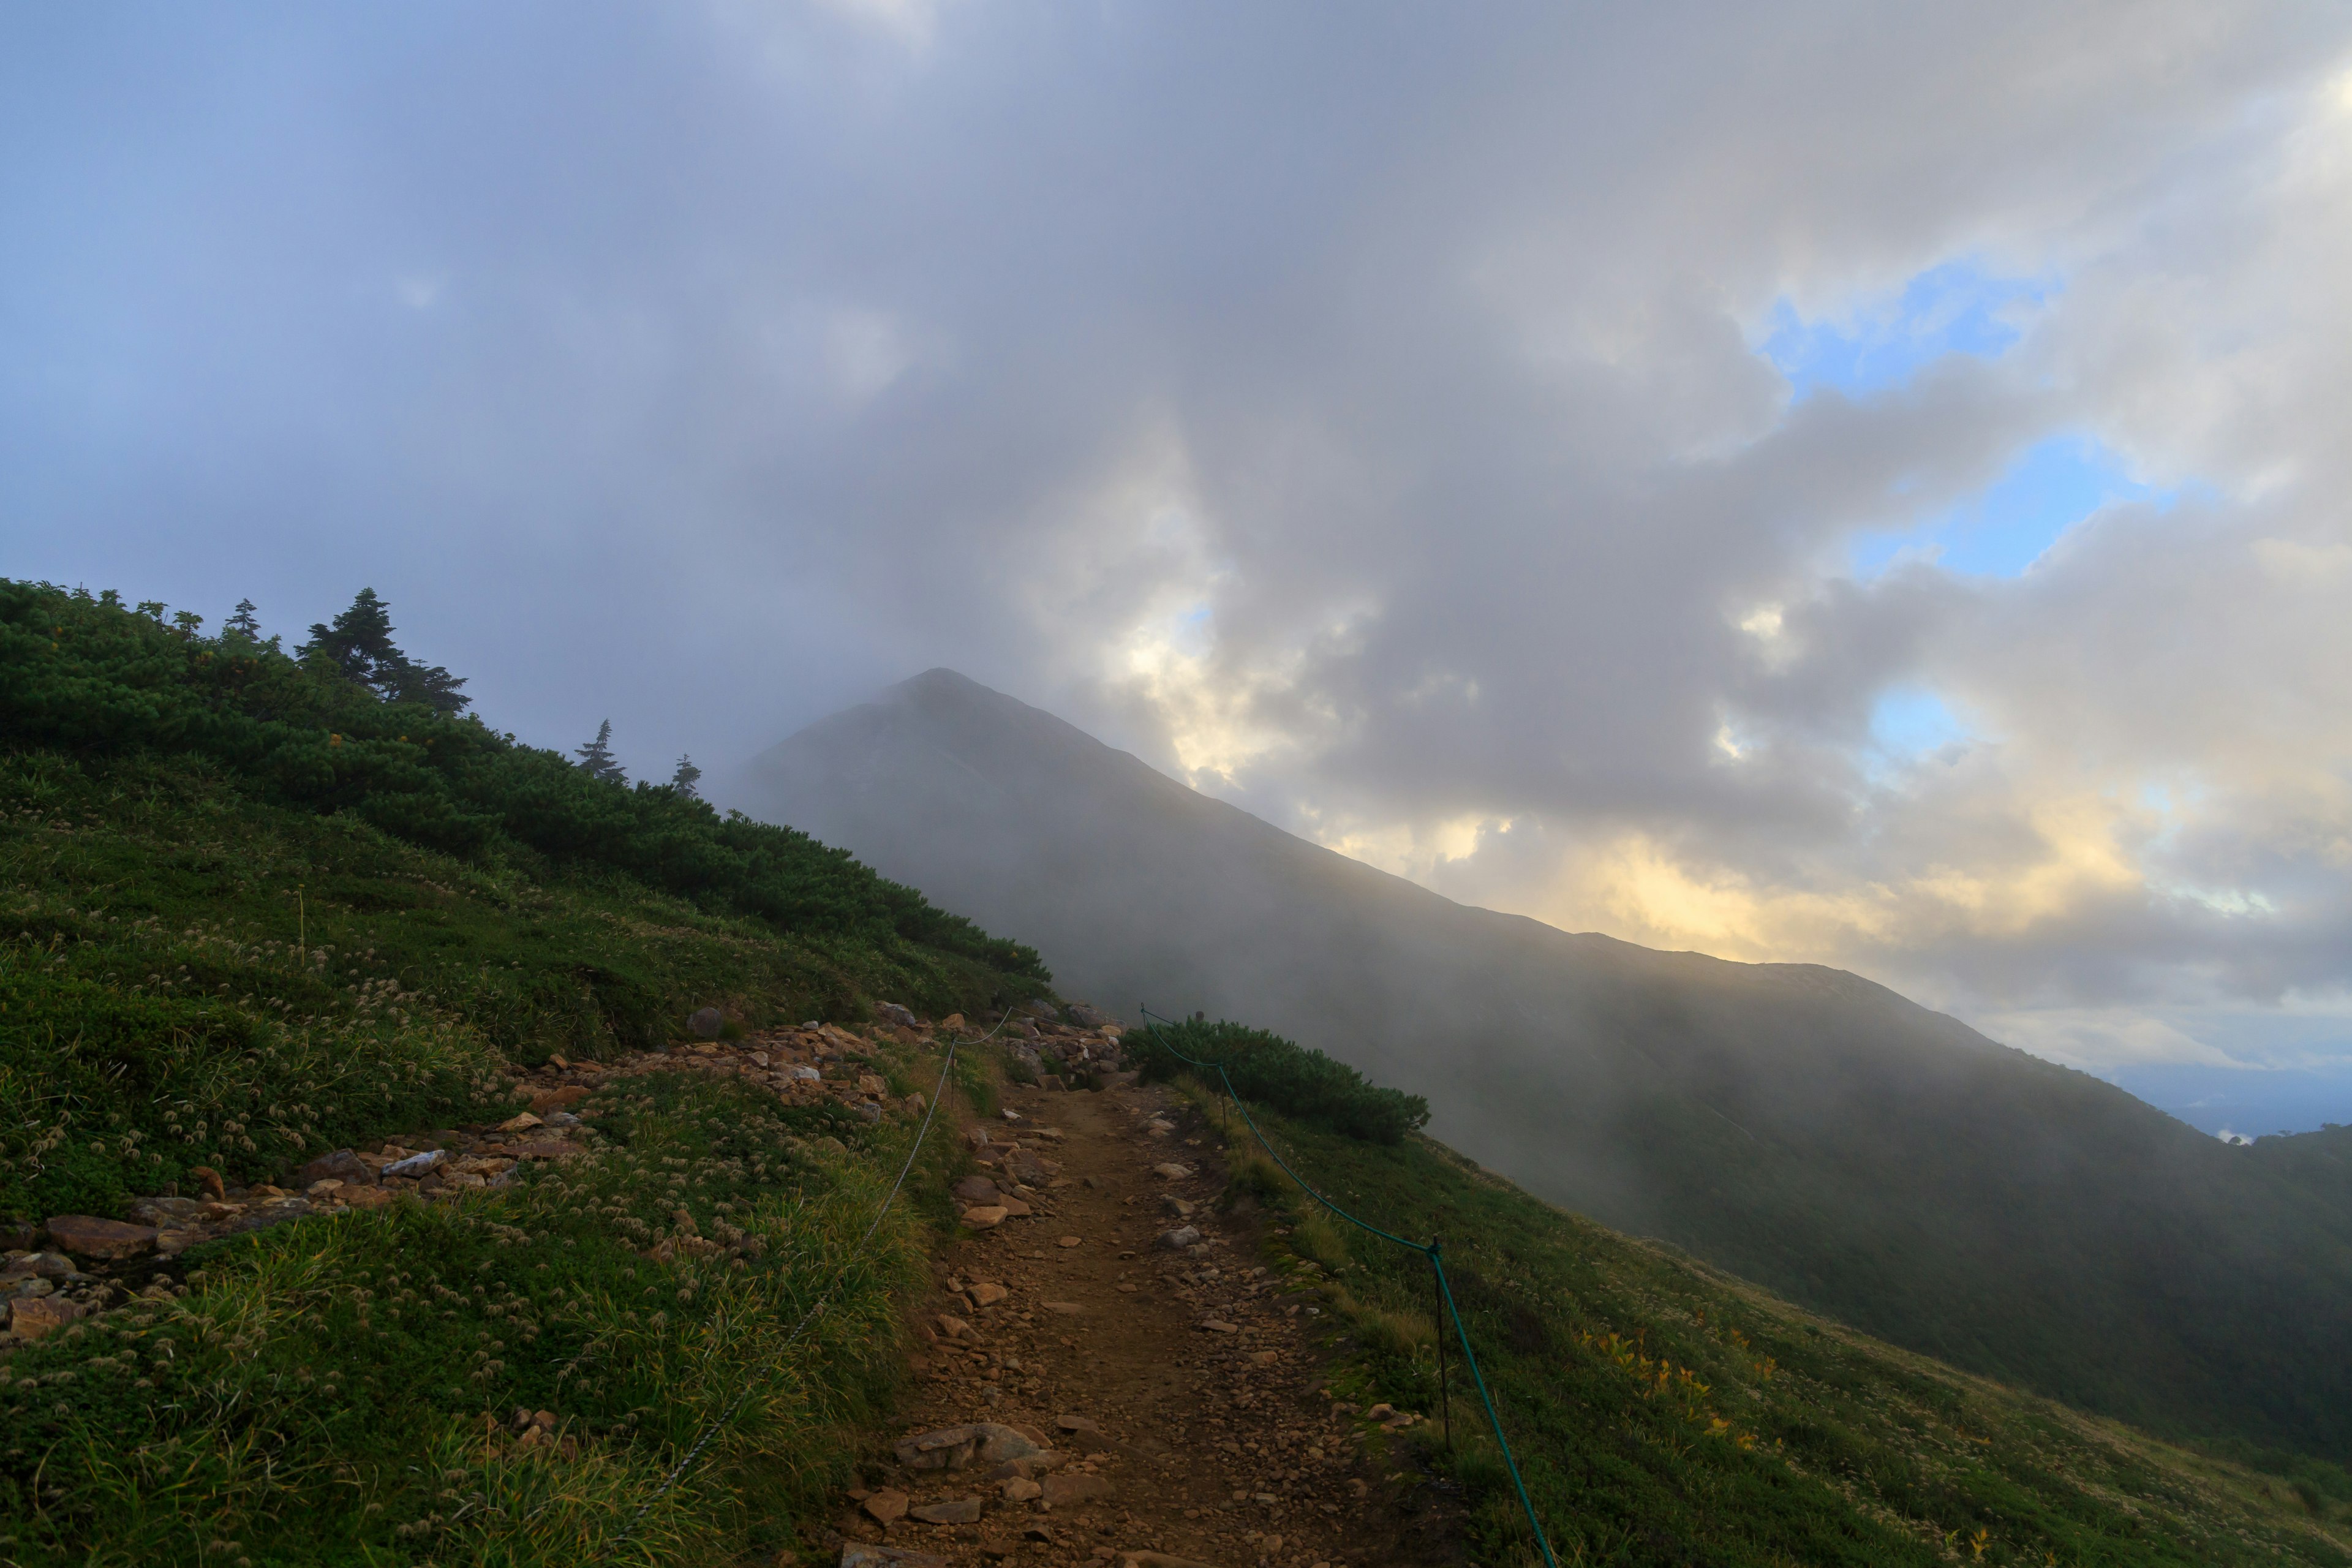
(1799, 1125)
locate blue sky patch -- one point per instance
(1998, 533)
(1957, 308)
(1908, 721)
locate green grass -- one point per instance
(1666, 1413)
(190, 976)
(250, 913)
(338, 1391)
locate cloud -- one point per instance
(1745, 481)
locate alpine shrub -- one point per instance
(1285, 1075)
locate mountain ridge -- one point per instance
(1801, 1126)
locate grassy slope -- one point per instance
(1664, 1413)
(164, 1003)
(229, 938)
(319, 1396)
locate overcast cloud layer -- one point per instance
(1825, 481)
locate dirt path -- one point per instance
(1178, 1389)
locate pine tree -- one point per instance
(358, 642)
(597, 756)
(428, 684)
(243, 623)
(685, 779)
(358, 646)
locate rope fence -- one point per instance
(1432, 1250)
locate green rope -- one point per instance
(1430, 1250)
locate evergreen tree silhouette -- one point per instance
(243, 623)
(358, 642)
(597, 756)
(684, 780)
(358, 646)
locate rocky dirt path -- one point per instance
(1172, 1382)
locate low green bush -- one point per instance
(1290, 1077)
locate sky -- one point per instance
(1838, 482)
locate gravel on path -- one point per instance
(1171, 1380)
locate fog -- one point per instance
(1818, 484)
(1795, 1124)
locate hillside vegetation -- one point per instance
(1663, 1413)
(251, 912)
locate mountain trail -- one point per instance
(1174, 1387)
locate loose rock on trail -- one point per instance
(1116, 1378)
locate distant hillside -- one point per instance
(1797, 1125)
(1663, 1414)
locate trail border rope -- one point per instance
(710, 1428)
(1432, 1250)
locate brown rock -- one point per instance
(886, 1505)
(953, 1448)
(1067, 1308)
(342, 1165)
(87, 1235)
(985, 1216)
(1070, 1422)
(34, 1316)
(1068, 1241)
(874, 1554)
(366, 1197)
(544, 1149)
(984, 1294)
(954, 1328)
(1029, 1466)
(211, 1179)
(1172, 1171)
(523, 1124)
(954, 1510)
(570, 1095)
(1156, 1559)
(1069, 1487)
(1218, 1326)
(1021, 1489)
(1015, 1208)
(976, 1190)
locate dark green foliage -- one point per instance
(686, 778)
(1266, 1069)
(83, 676)
(596, 758)
(360, 649)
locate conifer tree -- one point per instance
(243, 623)
(358, 642)
(684, 780)
(596, 757)
(358, 646)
